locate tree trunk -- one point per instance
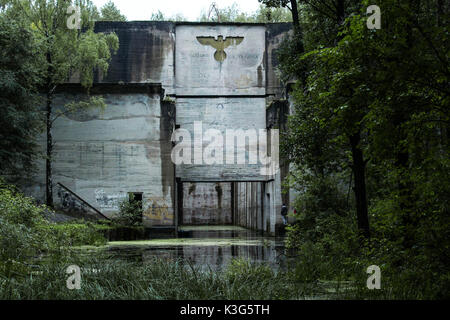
(440, 12)
(295, 18)
(404, 184)
(360, 185)
(48, 161)
(340, 12)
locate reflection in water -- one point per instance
(247, 245)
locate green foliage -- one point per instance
(242, 270)
(390, 88)
(75, 234)
(321, 208)
(275, 3)
(158, 16)
(130, 212)
(64, 53)
(26, 234)
(19, 77)
(94, 51)
(20, 238)
(109, 12)
(264, 14)
(232, 14)
(157, 280)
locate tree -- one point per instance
(109, 12)
(130, 212)
(159, 16)
(19, 78)
(373, 105)
(272, 15)
(289, 4)
(232, 13)
(65, 51)
(328, 68)
(226, 14)
(372, 100)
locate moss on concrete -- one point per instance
(211, 228)
(186, 242)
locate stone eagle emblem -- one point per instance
(220, 45)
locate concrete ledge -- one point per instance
(103, 88)
(225, 179)
(286, 25)
(157, 232)
(106, 26)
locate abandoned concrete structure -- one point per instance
(166, 76)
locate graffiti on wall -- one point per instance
(109, 201)
(155, 209)
(158, 211)
(68, 202)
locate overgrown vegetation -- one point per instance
(109, 12)
(59, 53)
(19, 123)
(232, 13)
(158, 279)
(35, 254)
(369, 144)
(26, 235)
(130, 212)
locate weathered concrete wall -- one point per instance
(229, 92)
(293, 192)
(207, 203)
(257, 205)
(248, 206)
(102, 156)
(275, 34)
(220, 114)
(242, 70)
(145, 55)
(72, 205)
(276, 116)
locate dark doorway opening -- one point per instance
(136, 196)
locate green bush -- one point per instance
(25, 234)
(337, 256)
(20, 235)
(321, 208)
(130, 212)
(75, 234)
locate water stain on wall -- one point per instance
(260, 76)
(192, 188)
(219, 191)
(166, 127)
(143, 48)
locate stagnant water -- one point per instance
(205, 247)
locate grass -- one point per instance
(179, 279)
(156, 280)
